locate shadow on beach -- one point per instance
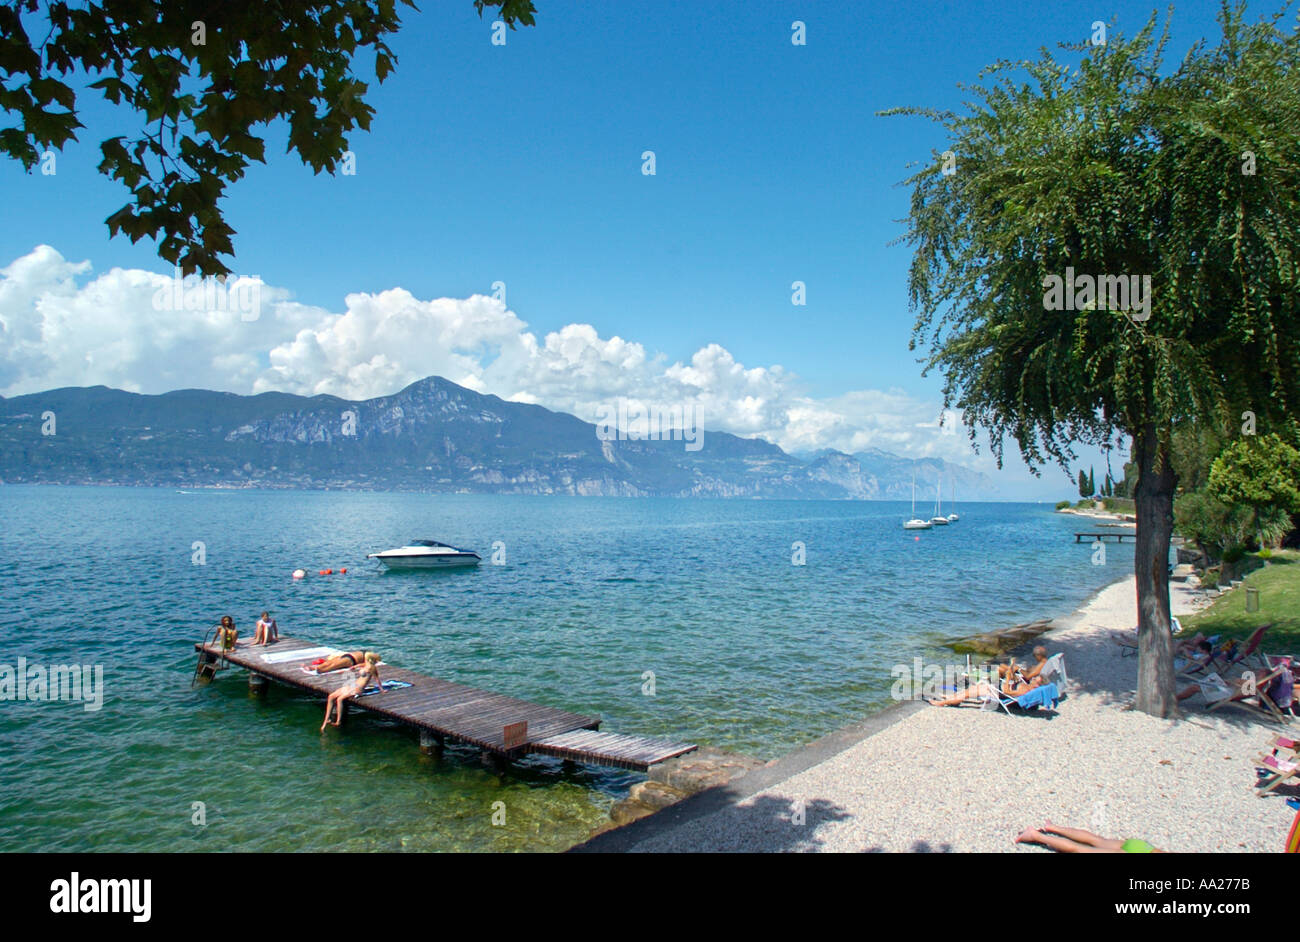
(1097, 667)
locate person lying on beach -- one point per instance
(1190, 647)
(1198, 657)
(1009, 685)
(227, 635)
(336, 662)
(1219, 689)
(267, 631)
(1079, 841)
(367, 675)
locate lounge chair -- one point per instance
(1252, 645)
(1276, 771)
(1223, 694)
(1046, 695)
(1053, 672)
(1280, 747)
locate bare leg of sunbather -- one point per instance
(1237, 686)
(1080, 836)
(979, 690)
(1069, 840)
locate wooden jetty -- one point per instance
(1118, 535)
(444, 711)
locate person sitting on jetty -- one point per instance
(367, 675)
(1009, 684)
(268, 632)
(336, 662)
(227, 635)
(1078, 841)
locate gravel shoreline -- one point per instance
(964, 779)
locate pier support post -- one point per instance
(257, 684)
(430, 743)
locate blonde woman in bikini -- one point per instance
(336, 662)
(368, 674)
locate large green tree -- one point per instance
(199, 79)
(1260, 475)
(1109, 165)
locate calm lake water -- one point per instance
(749, 651)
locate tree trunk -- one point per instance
(1154, 496)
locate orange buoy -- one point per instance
(343, 571)
(327, 572)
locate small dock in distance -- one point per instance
(444, 711)
(1119, 536)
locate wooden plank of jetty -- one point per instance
(611, 749)
(1118, 535)
(444, 710)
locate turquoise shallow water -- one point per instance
(749, 651)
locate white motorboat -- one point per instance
(426, 554)
(916, 523)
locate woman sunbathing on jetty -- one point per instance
(1079, 841)
(336, 662)
(369, 674)
(1014, 687)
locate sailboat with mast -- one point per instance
(939, 520)
(916, 523)
(952, 517)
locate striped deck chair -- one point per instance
(1276, 770)
(1252, 645)
(1221, 694)
(1278, 764)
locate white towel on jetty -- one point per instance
(302, 654)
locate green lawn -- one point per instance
(1279, 603)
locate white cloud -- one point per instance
(59, 326)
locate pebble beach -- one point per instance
(962, 779)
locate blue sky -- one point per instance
(522, 163)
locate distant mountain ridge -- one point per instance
(433, 435)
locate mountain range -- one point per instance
(433, 435)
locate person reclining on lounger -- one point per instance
(1079, 841)
(1220, 689)
(1009, 685)
(1040, 661)
(336, 662)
